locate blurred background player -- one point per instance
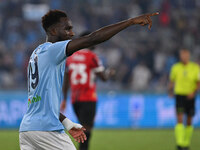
(82, 68)
(185, 79)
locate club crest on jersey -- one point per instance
(34, 99)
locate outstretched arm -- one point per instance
(107, 32)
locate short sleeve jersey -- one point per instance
(82, 67)
(185, 77)
(45, 76)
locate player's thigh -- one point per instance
(56, 141)
(190, 107)
(25, 142)
(87, 113)
(51, 140)
(77, 109)
(180, 104)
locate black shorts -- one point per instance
(85, 111)
(185, 105)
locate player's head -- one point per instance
(184, 55)
(57, 24)
(85, 33)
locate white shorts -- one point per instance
(40, 140)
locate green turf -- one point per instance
(117, 140)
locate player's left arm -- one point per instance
(193, 94)
(74, 129)
(198, 86)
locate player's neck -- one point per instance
(185, 63)
(52, 39)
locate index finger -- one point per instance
(153, 14)
(83, 129)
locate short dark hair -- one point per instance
(52, 17)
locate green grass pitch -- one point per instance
(117, 140)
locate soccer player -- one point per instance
(82, 68)
(185, 79)
(41, 126)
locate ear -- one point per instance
(53, 31)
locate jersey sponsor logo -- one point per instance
(34, 100)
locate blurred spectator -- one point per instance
(140, 77)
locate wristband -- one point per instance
(68, 124)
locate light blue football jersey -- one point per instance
(45, 77)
